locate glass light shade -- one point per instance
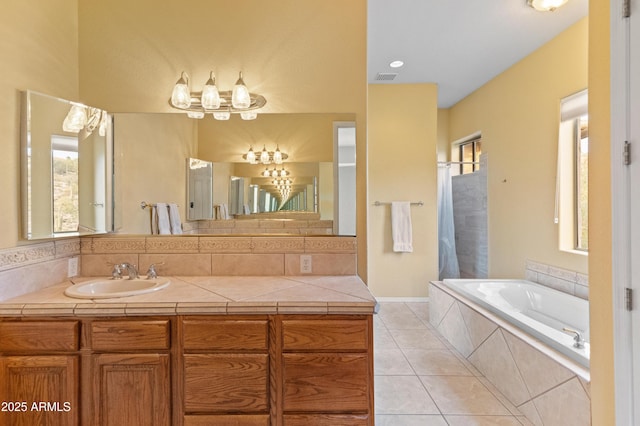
(195, 114)
(277, 156)
(240, 97)
(181, 95)
(251, 156)
(546, 5)
(249, 115)
(266, 173)
(222, 115)
(102, 131)
(264, 156)
(210, 97)
(76, 119)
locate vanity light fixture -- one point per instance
(265, 157)
(546, 5)
(275, 173)
(81, 117)
(220, 103)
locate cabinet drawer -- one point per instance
(130, 335)
(228, 420)
(228, 335)
(326, 382)
(226, 383)
(325, 334)
(326, 419)
(39, 336)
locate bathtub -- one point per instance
(539, 311)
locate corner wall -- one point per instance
(518, 115)
(402, 166)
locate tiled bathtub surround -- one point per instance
(32, 267)
(194, 255)
(543, 389)
(563, 280)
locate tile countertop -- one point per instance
(209, 295)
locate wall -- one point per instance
(518, 115)
(600, 284)
(303, 57)
(150, 165)
(39, 51)
(402, 166)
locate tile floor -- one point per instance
(421, 380)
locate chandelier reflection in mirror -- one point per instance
(221, 104)
(81, 117)
(265, 157)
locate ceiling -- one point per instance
(458, 44)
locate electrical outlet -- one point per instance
(305, 264)
(72, 267)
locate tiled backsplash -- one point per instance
(32, 267)
(564, 280)
(36, 266)
(260, 226)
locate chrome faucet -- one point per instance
(578, 340)
(131, 269)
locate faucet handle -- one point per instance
(579, 341)
(151, 272)
(116, 272)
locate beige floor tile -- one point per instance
(382, 339)
(421, 309)
(463, 396)
(402, 395)
(397, 316)
(435, 362)
(417, 339)
(482, 421)
(409, 420)
(391, 362)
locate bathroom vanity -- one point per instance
(205, 350)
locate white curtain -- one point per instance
(447, 257)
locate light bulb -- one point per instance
(240, 98)
(222, 115)
(195, 114)
(277, 156)
(248, 115)
(210, 98)
(264, 156)
(181, 96)
(251, 156)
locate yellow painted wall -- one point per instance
(39, 51)
(600, 283)
(304, 57)
(402, 164)
(518, 115)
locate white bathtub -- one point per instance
(539, 311)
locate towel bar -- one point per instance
(413, 203)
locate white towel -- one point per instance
(174, 219)
(245, 209)
(162, 219)
(224, 211)
(401, 226)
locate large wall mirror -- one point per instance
(66, 168)
(150, 150)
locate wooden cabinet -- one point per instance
(327, 370)
(130, 371)
(226, 370)
(250, 370)
(39, 368)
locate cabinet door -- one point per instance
(39, 390)
(131, 389)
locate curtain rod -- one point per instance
(458, 162)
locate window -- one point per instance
(467, 153)
(572, 188)
(64, 166)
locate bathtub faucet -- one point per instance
(579, 341)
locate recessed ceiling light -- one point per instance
(396, 64)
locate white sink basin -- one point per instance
(104, 288)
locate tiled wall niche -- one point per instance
(35, 266)
(560, 279)
(543, 389)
